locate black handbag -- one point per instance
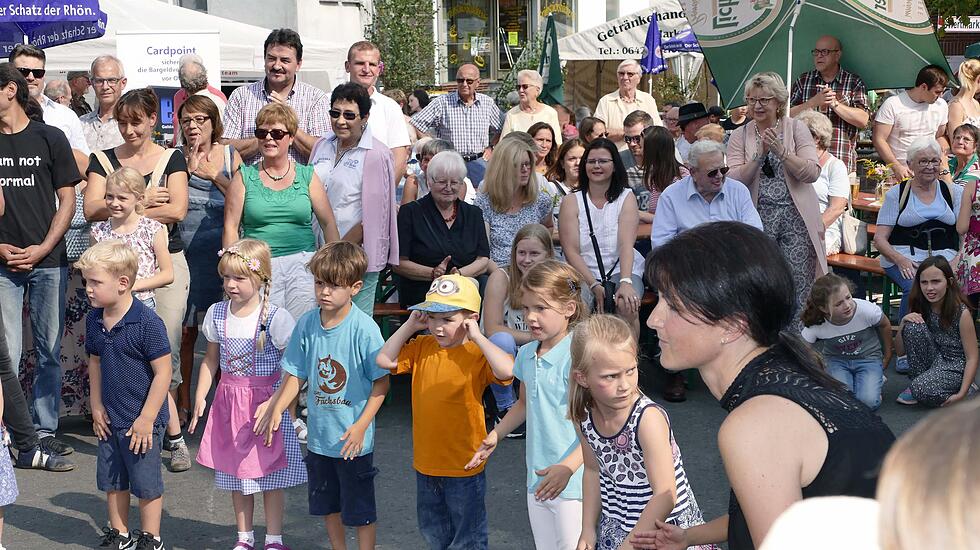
(605, 278)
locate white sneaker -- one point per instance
(300, 428)
(902, 364)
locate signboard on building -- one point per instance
(151, 58)
(953, 24)
(625, 37)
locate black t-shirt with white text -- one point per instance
(34, 164)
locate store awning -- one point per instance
(623, 38)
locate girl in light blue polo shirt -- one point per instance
(552, 300)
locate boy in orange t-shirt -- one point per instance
(451, 367)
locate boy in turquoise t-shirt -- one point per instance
(334, 349)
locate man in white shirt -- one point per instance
(387, 122)
(916, 112)
(614, 107)
(30, 61)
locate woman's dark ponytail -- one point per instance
(809, 361)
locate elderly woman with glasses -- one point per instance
(918, 218)
(529, 110)
(358, 174)
(439, 233)
(775, 157)
(275, 201)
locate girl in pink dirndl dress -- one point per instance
(246, 338)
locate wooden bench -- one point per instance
(869, 266)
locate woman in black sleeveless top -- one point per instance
(792, 431)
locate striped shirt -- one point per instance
(624, 488)
(311, 105)
(467, 127)
(851, 93)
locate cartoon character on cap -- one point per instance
(451, 293)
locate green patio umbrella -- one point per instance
(885, 42)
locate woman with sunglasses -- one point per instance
(165, 200)
(774, 155)
(211, 166)
(358, 174)
(529, 110)
(613, 217)
(275, 201)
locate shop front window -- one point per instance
(564, 12)
(513, 24)
(468, 35)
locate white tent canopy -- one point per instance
(241, 44)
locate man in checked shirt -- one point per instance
(839, 94)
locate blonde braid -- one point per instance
(264, 315)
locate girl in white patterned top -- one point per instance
(634, 475)
(147, 237)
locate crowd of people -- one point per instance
(273, 224)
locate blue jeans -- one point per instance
(895, 274)
(46, 295)
(452, 511)
(504, 395)
(862, 376)
(475, 169)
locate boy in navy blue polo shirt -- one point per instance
(129, 373)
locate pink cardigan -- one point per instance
(743, 145)
(380, 221)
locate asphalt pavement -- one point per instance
(65, 510)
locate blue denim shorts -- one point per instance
(119, 469)
(342, 486)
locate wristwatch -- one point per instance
(626, 280)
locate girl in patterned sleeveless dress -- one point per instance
(634, 475)
(147, 237)
(246, 338)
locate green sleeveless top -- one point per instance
(283, 219)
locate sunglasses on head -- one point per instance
(38, 73)
(276, 134)
(348, 115)
(767, 169)
(714, 173)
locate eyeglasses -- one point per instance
(598, 162)
(38, 73)
(525, 165)
(767, 168)
(764, 101)
(929, 162)
(964, 137)
(822, 52)
(671, 119)
(112, 81)
(714, 173)
(467, 81)
(348, 115)
(627, 74)
(199, 120)
(526, 86)
(276, 134)
(633, 139)
(446, 183)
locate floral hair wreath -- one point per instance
(252, 264)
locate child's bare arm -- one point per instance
(388, 356)
(209, 367)
(268, 418)
(141, 432)
(354, 436)
(100, 420)
(165, 275)
(501, 362)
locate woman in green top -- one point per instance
(964, 167)
(275, 202)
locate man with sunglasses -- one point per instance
(634, 130)
(464, 117)
(706, 195)
(839, 94)
(30, 60)
(79, 82)
(283, 51)
(613, 107)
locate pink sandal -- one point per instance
(242, 545)
(275, 546)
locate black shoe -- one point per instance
(39, 459)
(112, 539)
(55, 446)
(144, 541)
(518, 432)
(675, 392)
